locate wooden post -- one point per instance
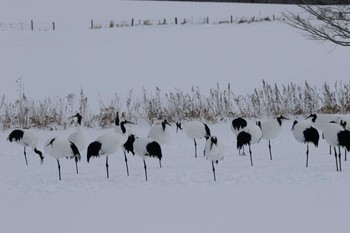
(231, 19)
(208, 20)
(53, 26)
(32, 25)
(92, 23)
(175, 20)
(132, 22)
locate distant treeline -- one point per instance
(311, 2)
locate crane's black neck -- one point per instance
(117, 119)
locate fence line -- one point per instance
(99, 24)
(28, 26)
(133, 22)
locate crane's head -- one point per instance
(312, 116)
(280, 118)
(294, 123)
(79, 117)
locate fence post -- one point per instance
(231, 19)
(208, 20)
(53, 26)
(92, 23)
(32, 25)
(132, 22)
(175, 20)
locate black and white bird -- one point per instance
(58, 148)
(237, 125)
(319, 121)
(336, 136)
(304, 132)
(145, 148)
(271, 129)
(160, 132)
(213, 151)
(78, 137)
(26, 138)
(249, 135)
(194, 130)
(124, 146)
(108, 144)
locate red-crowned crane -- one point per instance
(160, 132)
(146, 148)
(271, 129)
(213, 151)
(237, 125)
(251, 134)
(26, 138)
(336, 136)
(194, 130)
(60, 148)
(108, 144)
(304, 132)
(78, 137)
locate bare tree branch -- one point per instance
(322, 23)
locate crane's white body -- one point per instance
(160, 133)
(78, 138)
(330, 133)
(29, 139)
(255, 132)
(111, 142)
(194, 129)
(299, 128)
(140, 145)
(214, 151)
(319, 121)
(270, 129)
(60, 148)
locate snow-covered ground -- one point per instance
(272, 196)
(281, 195)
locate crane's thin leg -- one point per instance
(251, 158)
(307, 155)
(335, 155)
(126, 164)
(346, 159)
(160, 163)
(212, 164)
(25, 156)
(339, 159)
(76, 165)
(270, 150)
(144, 165)
(107, 166)
(195, 148)
(59, 170)
(330, 149)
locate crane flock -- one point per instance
(333, 129)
